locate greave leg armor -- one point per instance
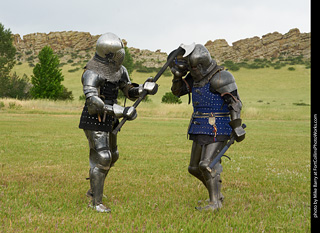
(212, 179)
(113, 149)
(100, 160)
(214, 188)
(97, 178)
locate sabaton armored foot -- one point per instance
(210, 207)
(100, 208)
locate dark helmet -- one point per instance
(200, 62)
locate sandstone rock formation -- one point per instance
(271, 45)
(80, 46)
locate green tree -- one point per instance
(128, 61)
(7, 51)
(47, 77)
(12, 85)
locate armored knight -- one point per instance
(103, 77)
(216, 114)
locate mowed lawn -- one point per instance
(266, 184)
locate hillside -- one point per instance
(77, 47)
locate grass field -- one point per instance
(44, 163)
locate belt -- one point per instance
(211, 114)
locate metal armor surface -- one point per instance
(102, 149)
(223, 82)
(201, 156)
(201, 63)
(110, 49)
(93, 83)
(97, 80)
(211, 115)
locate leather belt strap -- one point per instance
(213, 114)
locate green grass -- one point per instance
(44, 163)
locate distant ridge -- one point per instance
(80, 46)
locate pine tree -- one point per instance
(7, 51)
(12, 85)
(47, 76)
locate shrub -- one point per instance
(170, 98)
(231, 65)
(74, 70)
(82, 97)
(15, 87)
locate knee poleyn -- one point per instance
(203, 165)
(194, 170)
(101, 159)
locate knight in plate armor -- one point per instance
(103, 77)
(216, 114)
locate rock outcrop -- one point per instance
(271, 45)
(58, 41)
(76, 46)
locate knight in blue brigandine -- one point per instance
(216, 114)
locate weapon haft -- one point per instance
(144, 93)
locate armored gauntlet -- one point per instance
(129, 112)
(95, 105)
(237, 129)
(150, 87)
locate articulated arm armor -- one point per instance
(91, 88)
(180, 86)
(224, 83)
(133, 90)
(91, 85)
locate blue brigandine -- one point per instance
(211, 115)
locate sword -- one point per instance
(187, 48)
(224, 149)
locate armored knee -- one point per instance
(194, 171)
(215, 171)
(203, 165)
(100, 158)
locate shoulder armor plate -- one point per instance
(90, 78)
(125, 75)
(223, 82)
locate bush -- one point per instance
(231, 65)
(74, 70)
(169, 98)
(15, 87)
(66, 95)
